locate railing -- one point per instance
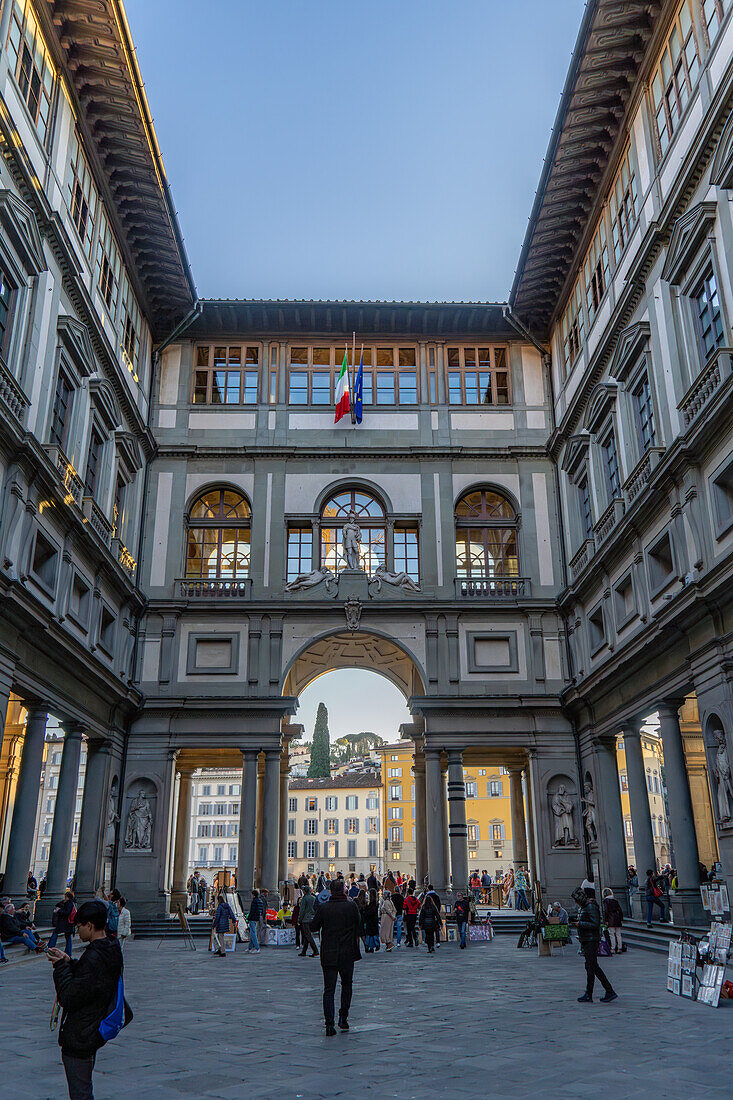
(491, 588)
(583, 556)
(96, 519)
(608, 520)
(72, 482)
(641, 473)
(124, 557)
(705, 385)
(11, 395)
(193, 588)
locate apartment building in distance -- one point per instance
(334, 825)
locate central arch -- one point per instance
(368, 650)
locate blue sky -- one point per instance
(365, 150)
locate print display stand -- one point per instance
(183, 921)
(711, 955)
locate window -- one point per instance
(311, 804)
(373, 852)
(220, 808)
(496, 788)
(311, 826)
(674, 76)
(205, 808)
(332, 802)
(292, 805)
(350, 849)
(311, 849)
(473, 834)
(395, 834)
(486, 536)
(610, 465)
(624, 781)
(331, 826)
(661, 564)
(707, 314)
(369, 515)
(586, 516)
(203, 854)
(300, 551)
(644, 413)
(219, 536)
(226, 375)
(232, 829)
(352, 802)
(389, 376)
(394, 812)
(497, 832)
(7, 289)
(622, 205)
(472, 789)
(394, 756)
(31, 64)
(218, 854)
(221, 788)
(372, 825)
(332, 849)
(292, 849)
(108, 265)
(50, 804)
(206, 789)
(62, 403)
(232, 854)
(595, 270)
(628, 829)
(82, 195)
(372, 803)
(219, 829)
(478, 376)
(235, 788)
(394, 772)
(596, 628)
(395, 792)
(406, 553)
(131, 328)
(713, 12)
(351, 825)
(91, 477)
(573, 327)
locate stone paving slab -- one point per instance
(489, 1021)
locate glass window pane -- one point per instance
(321, 357)
(367, 396)
(321, 394)
(385, 388)
(454, 357)
(218, 387)
(252, 355)
(298, 393)
(407, 357)
(299, 355)
(385, 357)
(455, 396)
(199, 388)
(472, 392)
(408, 388)
(232, 391)
(250, 387)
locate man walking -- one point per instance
(339, 923)
(398, 901)
(223, 915)
(85, 988)
(255, 915)
(307, 913)
(589, 935)
(462, 910)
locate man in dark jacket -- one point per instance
(85, 988)
(255, 915)
(339, 923)
(223, 915)
(372, 881)
(462, 911)
(589, 936)
(307, 913)
(13, 930)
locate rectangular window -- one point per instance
(644, 413)
(291, 826)
(496, 832)
(628, 829)
(220, 808)
(573, 327)
(372, 825)
(395, 792)
(204, 829)
(372, 803)
(478, 375)
(351, 825)
(131, 328)
(596, 270)
(31, 64)
(373, 853)
(91, 477)
(203, 854)
(394, 772)
(395, 834)
(300, 551)
(221, 788)
(394, 813)
(351, 849)
(226, 375)
(292, 849)
(62, 402)
(610, 465)
(206, 789)
(82, 195)
(311, 827)
(496, 789)
(332, 802)
(232, 854)
(218, 854)
(293, 805)
(472, 789)
(707, 314)
(586, 516)
(406, 552)
(713, 12)
(352, 802)
(6, 296)
(108, 265)
(331, 826)
(219, 829)
(675, 75)
(622, 203)
(332, 849)
(311, 804)
(472, 834)
(205, 808)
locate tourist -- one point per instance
(475, 884)
(486, 885)
(42, 885)
(372, 881)
(307, 913)
(371, 923)
(520, 889)
(124, 926)
(113, 913)
(303, 880)
(255, 915)
(429, 920)
(509, 888)
(202, 888)
(389, 883)
(399, 904)
(12, 931)
(433, 894)
(338, 922)
(85, 988)
(296, 921)
(461, 911)
(31, 887)
(632, 880)
(589, 935)
(411, 910)
(387, 919)
(653, 893)
(353, 889)
(220, 926)
(62, 920)
(613, 915)
(192, 888)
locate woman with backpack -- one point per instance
(654, 894)
(62, 919)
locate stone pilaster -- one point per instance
(20, 846)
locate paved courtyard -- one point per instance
(489, 1021)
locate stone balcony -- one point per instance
(579, 562)
(199, 588)
(12, 397)
(491, 588)
(613, 514)
(96, 519)
(123, 556)
(715, 373)
(73, 484)
(640, 475)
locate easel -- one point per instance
(183, 920)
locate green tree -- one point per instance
(320, 764)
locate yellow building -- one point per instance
(653, 764)
(488, 814)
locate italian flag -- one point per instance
(342, 390)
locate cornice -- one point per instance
(406, 453)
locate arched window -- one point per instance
(370, 518)
(218, 536)
(486, 536)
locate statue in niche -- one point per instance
(310, 580)
(399, 580)
(139, 824)
(351, 542)
(589, 812)
(722, 773)
(112, 818)
(563, 809)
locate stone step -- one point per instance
(657, 938)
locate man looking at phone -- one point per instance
(85, 988)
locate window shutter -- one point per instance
(356, 823)
(336, 823)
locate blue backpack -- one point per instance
(118, 1015)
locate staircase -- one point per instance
(169, 928)
(657, 938)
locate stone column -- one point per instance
(7, 667)
(687, 902)
(444, 826)
(641, 818)
(282, 868)
(437, 870)
(457, 828)
(519, 827)
(421, 847)
(271, 822)
(63, 819)
(20, 847)
(610, 820)
(247, 826)
(182, 842)
(93, 823)
(259, 830)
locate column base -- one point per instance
(687, 909)
(178, 897)
(45, 907)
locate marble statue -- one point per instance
(562, 809)
(139, 823)
(722, 773)
(351, 541)
(310, 580)
(112, 818)
(399, 580)
(589, 812)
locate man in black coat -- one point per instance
(589, 935)
(339, 923)
(85, 988)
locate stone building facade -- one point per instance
(529, 533)
(335, 824)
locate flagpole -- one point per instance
(352, 376)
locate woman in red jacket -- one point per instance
(411, 909)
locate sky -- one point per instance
(385, 149)
(357, 701)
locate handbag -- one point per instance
(656, 891)
(119, 1014)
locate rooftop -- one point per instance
(370, 779)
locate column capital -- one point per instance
(34, 708)
(73, 728)
(432, 754)
(272, 754)
(455, 756)
(249, 754)
(631, 727)
(99, 744)
(185, 770)
(670, 706)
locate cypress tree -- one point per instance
(320, 764)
